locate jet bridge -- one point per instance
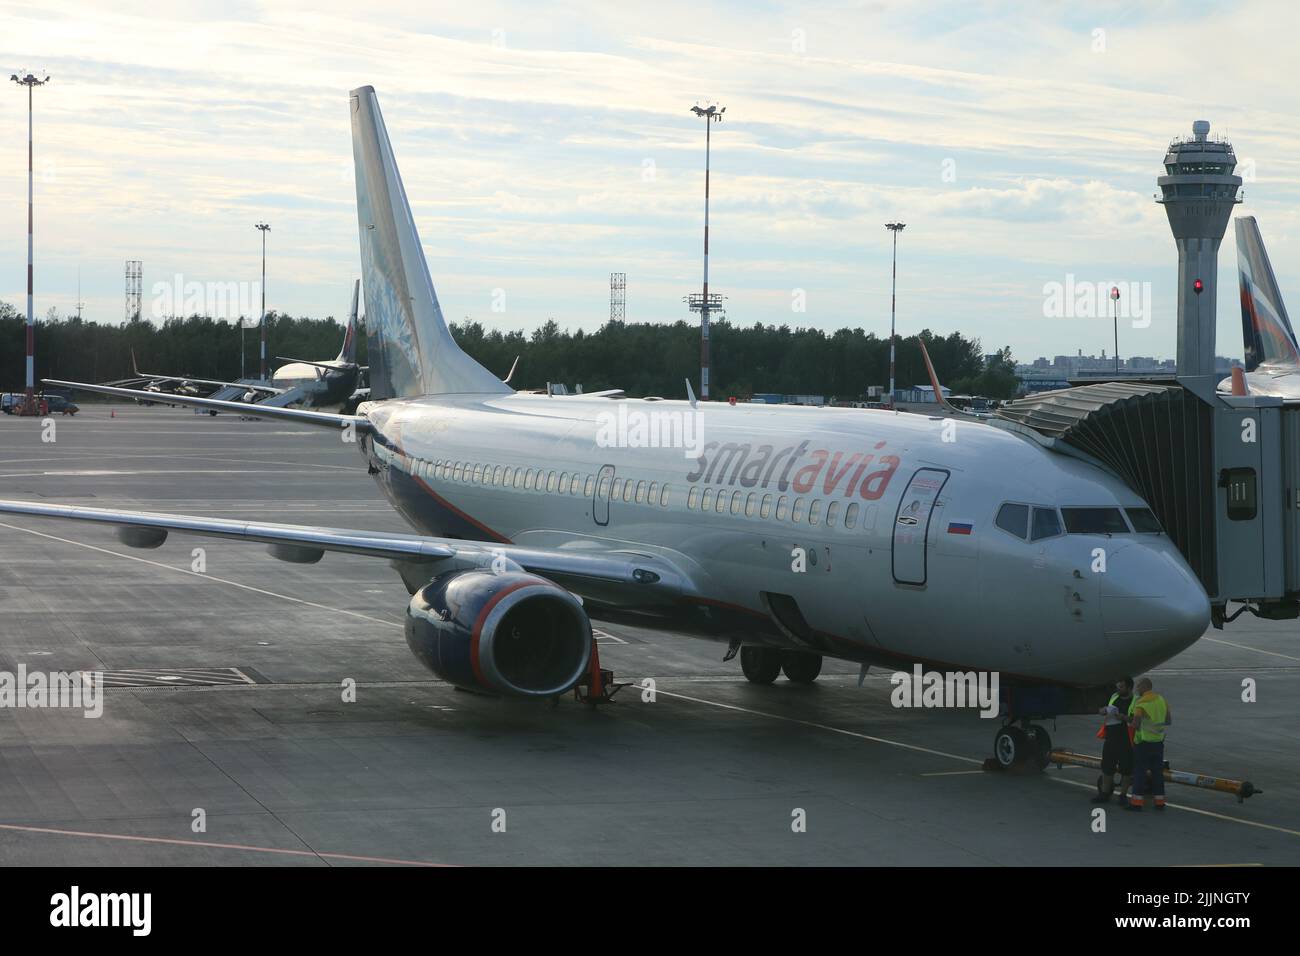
(1222, 474)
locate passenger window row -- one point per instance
(631, 490)
(570, 483)
(770, 507)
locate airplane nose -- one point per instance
(1152, 605)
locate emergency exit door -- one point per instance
(912, 524)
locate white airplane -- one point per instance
(1272, 357)
(791, 534)
(303, 383)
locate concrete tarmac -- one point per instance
(225, 737)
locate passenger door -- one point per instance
(601, 494)
(912, 525)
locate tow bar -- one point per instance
(1241, 789)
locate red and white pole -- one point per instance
(895, 228)
(711, 115)
(29, 399)
(264, 228)
(29, 403)
(704, 306)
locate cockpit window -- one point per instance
(1144, 522)
(1094, 521)
(1047, 524)
(1014, 519)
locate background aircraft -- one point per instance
(335, 384)
(787, 533)
(1272, 357)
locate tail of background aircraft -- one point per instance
(348, 353)
(1267, 331)
(410, 349)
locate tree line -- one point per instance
(640, 357)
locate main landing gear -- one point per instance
(1024, 747)
(763, 665)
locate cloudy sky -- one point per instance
(544, 146)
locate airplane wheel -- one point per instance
(1011, 747)
(761, 665)
(1041, 744)
(800, 666)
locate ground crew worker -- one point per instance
(1150, 718)
(1117, 750)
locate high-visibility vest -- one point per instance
(1156, 711)
(1101, 731)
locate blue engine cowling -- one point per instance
(513, 633)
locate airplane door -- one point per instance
(601, 493)
(912, 524)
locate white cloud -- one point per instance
(166, 133)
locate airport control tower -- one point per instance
(1198, 192)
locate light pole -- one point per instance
(264, 229)
(712, 114)
(29, 399)
(1114, 298)
(895, 228)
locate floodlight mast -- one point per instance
(711, 114)
(30, 81)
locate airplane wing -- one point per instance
(303, 416)
(154, 378)
(632, 577)
(327, 366)
(185, 379)
(948, 408)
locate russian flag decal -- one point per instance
(960, 527)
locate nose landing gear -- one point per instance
(1027, 747)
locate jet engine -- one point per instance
(513, 633)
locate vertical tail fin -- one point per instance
(1265, 326)
(410, 349)
(348, 353)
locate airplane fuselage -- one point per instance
(320, 387)
(868, 536)
(1274, 381)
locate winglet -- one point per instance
(515, 365)
(348, 353)
(934, 381)
(690, 393)
(1239, 381)
(134, 368)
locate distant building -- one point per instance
(773, 398)
(919, 394)
(1041, 375)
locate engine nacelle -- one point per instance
(514, 633)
